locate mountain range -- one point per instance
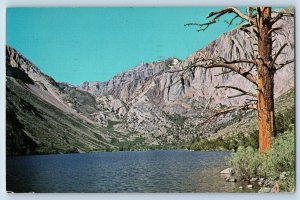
(151, 105)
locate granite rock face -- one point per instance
(153, 100)
(201, 82)
(149, 90)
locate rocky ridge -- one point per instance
(151, 100)
(149, 91)
(38, 120)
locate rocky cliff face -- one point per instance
(149, 101)
(201, 82)
(149, 91)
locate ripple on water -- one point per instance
(147, 171)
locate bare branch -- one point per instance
(273, 29)
(231, 10)
(257, 34)
(250, 106)
(248, 32)
(234, 96)
(220, 62)
(216, 15)
(280, 15)
(238, 89)
(181, 75)
(240, 61)
(284, 64)
(244, 107)
(245, 26)
(248, 11)
(234, 68)
(219, 113)
(250, 100)
(277, 54)
(223, 73)
(205, 25)
(251, 68)
(231, 21)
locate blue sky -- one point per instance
(93, 44)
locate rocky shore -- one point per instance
(259, 184)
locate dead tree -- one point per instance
(259, 24)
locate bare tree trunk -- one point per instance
(265, 81)
(258, 22)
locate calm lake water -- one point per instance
(144, 171)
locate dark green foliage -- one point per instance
(177, 119)
(17, 142)
(110, 125)
(249, 141)
(228, 143)
(284, 119)
(53, 149)
(137, 143)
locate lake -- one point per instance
(134, 171)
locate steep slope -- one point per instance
(199, 83)
(150, 93)
(150, 104)
(248, 124)
(38, 121)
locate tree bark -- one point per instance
(259, 24)
(265, 81)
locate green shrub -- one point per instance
(245, 162)
(228, 143)
(283, 154)
(288, 183)
(277, 164)
(281, 160)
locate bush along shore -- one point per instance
(272, 171)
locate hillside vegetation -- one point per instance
(243, 130)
